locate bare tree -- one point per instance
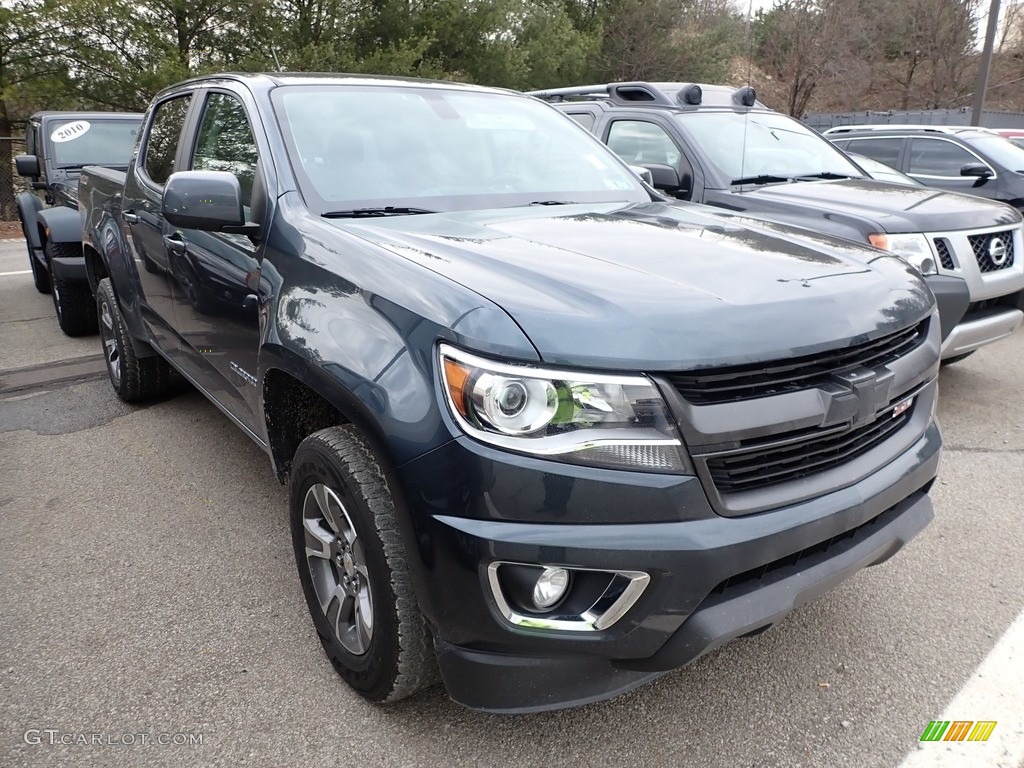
(804, 43)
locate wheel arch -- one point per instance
(95, 267)
(296, 404)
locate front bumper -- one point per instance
(972, 334)
(498, 682)
(713, 578)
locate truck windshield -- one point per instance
(766, 144)
(75, 143)
(441, 149)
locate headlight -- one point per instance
(578, 417)
(913, 248)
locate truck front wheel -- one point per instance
(73, 302)
(353, 568)
(134, 378)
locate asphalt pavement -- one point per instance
(150, 612)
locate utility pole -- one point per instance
(986, 63)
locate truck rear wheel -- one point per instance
(133, 378)
(73, 302)
(353, 568)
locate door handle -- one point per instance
(131, 217)
(175, 244)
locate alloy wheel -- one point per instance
(337, 567)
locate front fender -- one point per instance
(62, 225)
(29, 207)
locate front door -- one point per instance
(216, 275)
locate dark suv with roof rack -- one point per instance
(720, 146)
(975, 161)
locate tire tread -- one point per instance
(142, 378)
(417, 661)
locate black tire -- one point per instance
(397, 657)
(133, 378)
(73, 302)
(40, 275)
(958, 358)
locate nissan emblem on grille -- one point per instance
(997, 251)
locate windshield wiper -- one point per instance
(827, 175)
(764, 178)
(552, 202)
(389, 210)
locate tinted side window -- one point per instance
(226, 142)
(883, 149)
(936, 157)
(583, 118)
(639, 142)
(164, 134)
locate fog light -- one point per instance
(550, 587)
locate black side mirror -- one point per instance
(977, 170)
(666, 178)
(206, 200)
(27, 166)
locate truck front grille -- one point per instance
(790, 457)
(994, 251)
(743, 382)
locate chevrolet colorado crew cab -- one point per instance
(58, 144)
(720, 146)
(543, 432)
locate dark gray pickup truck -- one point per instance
(543, 432)
(58, 144)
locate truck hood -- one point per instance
(897, 208)
(660, 287)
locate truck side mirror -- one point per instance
(978, 170)
(27, 166)
(666, 178)
(206, 200)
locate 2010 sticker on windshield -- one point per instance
(70, 131)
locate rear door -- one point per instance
(158, 159)
(884, 149)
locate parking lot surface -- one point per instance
(150, 612)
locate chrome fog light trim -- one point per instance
(624, 589)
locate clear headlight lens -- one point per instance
(595, 419)
(913, 248)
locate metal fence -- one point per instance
(11, 184)
(821, 121)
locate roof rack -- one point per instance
(619, 92)
(640, 93)
(906, 127)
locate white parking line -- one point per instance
(22, 272)
(994, 692)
